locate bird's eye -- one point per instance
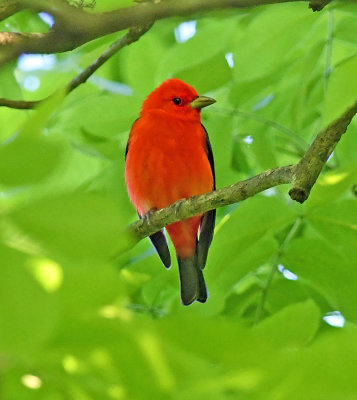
(176, 101)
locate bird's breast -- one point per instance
(167, 161)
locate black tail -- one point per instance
(192, 283)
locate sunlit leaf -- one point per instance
(80, 225)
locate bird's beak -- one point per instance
(202, 101)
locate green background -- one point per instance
(92, 321)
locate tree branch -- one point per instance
(75, 26)
(311, 164)
(133, 35)
(302, 176)
(318, 5)
(183, 209)
(8, 8)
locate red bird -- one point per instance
(169, 157)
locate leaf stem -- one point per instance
(328, 66)
(300, 144)
(274, 267)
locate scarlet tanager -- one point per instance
(169, 157)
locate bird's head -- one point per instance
(177, 98)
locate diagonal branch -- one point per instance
(8, 8)
(133, 35)
(302, 176)
(75, 26)
(310, 166)
(183, 209)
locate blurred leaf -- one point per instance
(9, 86)
(26, 160)
(345, 27)
(243, 243)
(327, 269)
(207, 76)
(263, 150)
(341, 92)
(338, 223)
(312, 373)
(293, 326)
(345, 150)
(219, 128)
(110, 115)
(184, 56)
(142, 76)
(79, 225)
(42, 114)
(27, 311)
(333, 185)
(283, 292)
(240, 161)
(261, 56)
(29, 156)
(84, 325)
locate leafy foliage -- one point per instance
(84, 315)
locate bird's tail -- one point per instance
(192, 283)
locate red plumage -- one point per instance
(169, 158)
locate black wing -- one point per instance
(158, 239)
(127, 145)
(209, 218)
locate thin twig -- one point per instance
(329, 41)
(299, 142)
(274, 267)
(133, 35)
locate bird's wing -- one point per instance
(158, 239)
(208, 219)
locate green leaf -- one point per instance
(327, 269)
(9, 85)
(142, 76)
(81, 225)
(341, 92)
(284, 292)
(219, 128)
(337, 222)
(345, 149)
(110, 115)
(29, 156)
(332, 185)
(208, 75)
(293, 326)
(184, 56)
(344, 29)
(271, 45)
(312, 373)
(26, 160)
(240, 161)
(27, 311)
(242, 243)
(263, 149)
